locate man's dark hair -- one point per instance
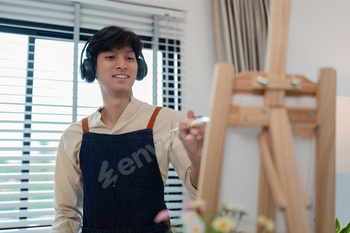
(113, 37)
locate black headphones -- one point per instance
(87, 69)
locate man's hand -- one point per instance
(192, 139)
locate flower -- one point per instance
(162, 216)
(187, 205)
(266, 223)
(194, 227)
(192, 222)
(198, 205)
(223, 224)
(195, 220)
(229, 206)
(270, 226)
(190, 216)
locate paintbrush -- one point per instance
(196, 122)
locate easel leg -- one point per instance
(270, 171)
(270, 188)
(284, 156)
(325, 151)
(266, 204)
(214, 140)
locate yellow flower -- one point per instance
(266, 223)
(261, 220)
(198, 203)
(270, 226)
(229, 207)
(190, 216)
(196, 227)
(223, 224)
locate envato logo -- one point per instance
(126, 166)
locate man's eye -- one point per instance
(110, 57)
(130, 58)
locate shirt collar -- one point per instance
(130, 110)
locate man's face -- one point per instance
(116, 70)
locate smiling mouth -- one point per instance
(121, 76)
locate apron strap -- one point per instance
(153, 118)
(85, 125)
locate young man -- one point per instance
(114, 163)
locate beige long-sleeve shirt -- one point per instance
(68, 176)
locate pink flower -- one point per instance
(198, 206)
(187, 205)
(162, 216)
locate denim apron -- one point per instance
(123, 187)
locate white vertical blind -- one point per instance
(38, 11)
(96, 19)
(36, 94)
(36, 98)
(170, 43)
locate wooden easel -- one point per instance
(279, 179)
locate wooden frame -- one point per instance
(279, 178)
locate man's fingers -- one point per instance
(190, 114)
(183, 128)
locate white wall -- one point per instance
(342, 206)
(198, 57)
(319, 36)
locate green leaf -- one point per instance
(345, 229)
(337, 225)
(348, 228)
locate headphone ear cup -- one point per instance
(142, 69)
(87, 70)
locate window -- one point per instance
(41, 95)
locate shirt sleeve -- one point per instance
(181, 163)
(68, 185)
(177, 155)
